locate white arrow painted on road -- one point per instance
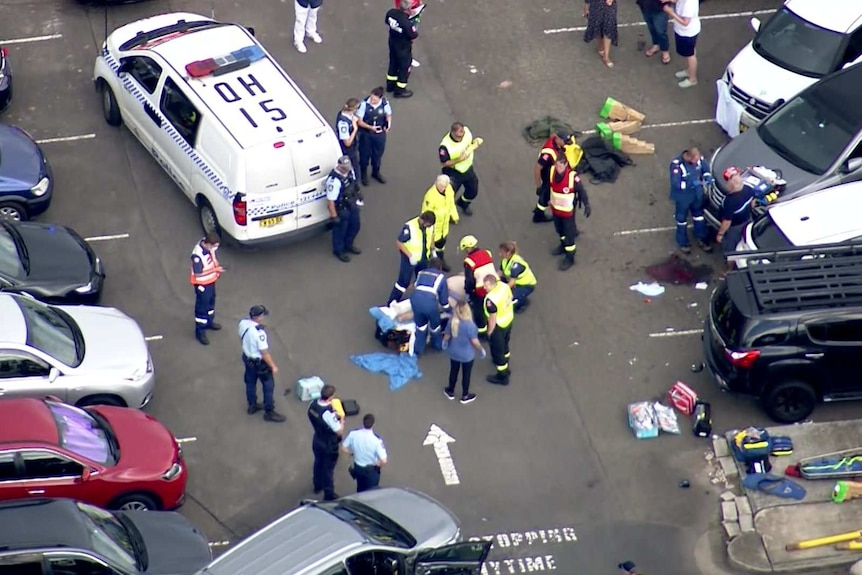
(441, 440)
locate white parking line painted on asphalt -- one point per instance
(31, 39)
(633, 24)
(667, 124)
(673, 333)
(105, 238)
(186, 439)
(154, 338)
(224, 543)
(645, 231)
(62, 139)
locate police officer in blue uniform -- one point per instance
(369, 454)
(689, 174)
(343, 199)
(375, 121)
(347, 130)
(430, 293)
(258, 363)
(328, 429)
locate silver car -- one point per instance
(83, 355)
(390, 531)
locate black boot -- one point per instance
(559, 250)
(567, 262)
(499, 378)
(465, 207)
(539, 217)
(403, 93)
(390, 86)
(363, 177)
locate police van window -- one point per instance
(179, 111)
(145, 71)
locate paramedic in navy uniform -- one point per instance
(369, 454)
(258, 364)
(375, 120)
(205, 272)
(343, 200)
(347, 130)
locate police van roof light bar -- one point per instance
(235, 60)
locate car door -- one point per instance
(73, 563)
(140, 78)
(464, 558)
(52, 474)
(12, 483)
(22, 563)
(173, 145)
(23, 374)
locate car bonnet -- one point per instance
(174, 545)
(20, 160)
(112, 340)
(57, 256)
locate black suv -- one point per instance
(787, 329)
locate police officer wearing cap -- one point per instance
(415, 245)
(553, 148)
(375, 121)
(343, 200)
(204, 274)
(347, 130)
(369, 454)
(689, 175)
(259, 364)
(430, 293)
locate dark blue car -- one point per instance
(26, 182)
(5, 80)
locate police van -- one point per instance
(224, 120)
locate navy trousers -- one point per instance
(353, 153)
(520, 295)
(205, 297)
(426, 316)
(267, 382)
(367, 477)
(371, 148)
(323, 475)
(345, 231)
(682, 206)
(405, 276)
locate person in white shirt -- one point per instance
(686, 28)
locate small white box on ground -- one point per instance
(308, 388)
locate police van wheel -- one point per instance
(208, 218)
(109, 106)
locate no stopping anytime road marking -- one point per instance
(747, 14)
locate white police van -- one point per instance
(224, 120)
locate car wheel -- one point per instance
(110, 108)
(136, 502)
(12, 211)
(790, 401)
(102, 400)
(208, 218)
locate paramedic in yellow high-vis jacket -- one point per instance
(440, 199)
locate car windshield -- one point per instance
(82, 434)
(11, 264)
(767, 236)
(52, 331)
(810, 131)
(788, 41)
(110, 538)
(371, 522)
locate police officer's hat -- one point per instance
(468, 243)
(344, 162)
(257, 311)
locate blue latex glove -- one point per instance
(446, 344)
(484, 354)
(708, 179)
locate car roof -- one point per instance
(13, 328)
(822, 217)
(225, 95)
(292, 544)
(836, 15)
(38, 523)
(27, 419)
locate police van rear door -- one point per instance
(314, 155)
(271, 193)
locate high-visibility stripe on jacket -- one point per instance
(481, 263)
(526, 278)
(563, 193)
(457, 148)
(209, 275)
(501, 296)
(420, 238)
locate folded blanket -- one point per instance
(400, 368)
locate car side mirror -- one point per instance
(755, 24)
(851, 165)
(53, 374)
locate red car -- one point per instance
(112, 457)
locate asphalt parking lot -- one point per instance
(547, 466)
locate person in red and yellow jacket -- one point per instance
(204, 274)
(478, 264)
(553, 148)
(567, 193)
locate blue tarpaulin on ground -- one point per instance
(384, 322)
(400, 368)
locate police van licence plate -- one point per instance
(270, 222)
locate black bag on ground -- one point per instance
(602, 161)
(351, 407)
(394, 339)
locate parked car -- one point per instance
(64, 537)
(52, 263)
(788, 331)
(799, 44)
(814, 141)
(83, 355)
(388, 530)
(5, 79)
(113, 457)
(26, 181)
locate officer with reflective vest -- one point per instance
(328, 430)
(567, 192)
(440, 199)
(517, 274)
(402, 32)
(375, 121)
(347, 130)
(430, 293)
(555, 146)
(456, 156)
(689, 175)
(343, 200)
(478, 264)
(204, 274)
(415, 246)
(500, 313)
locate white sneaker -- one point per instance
(300, 47)
(315, 37)
(415, 63)
(681, 74)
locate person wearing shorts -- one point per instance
(686, 28)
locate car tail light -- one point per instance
(742, 359)
(240, 213)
